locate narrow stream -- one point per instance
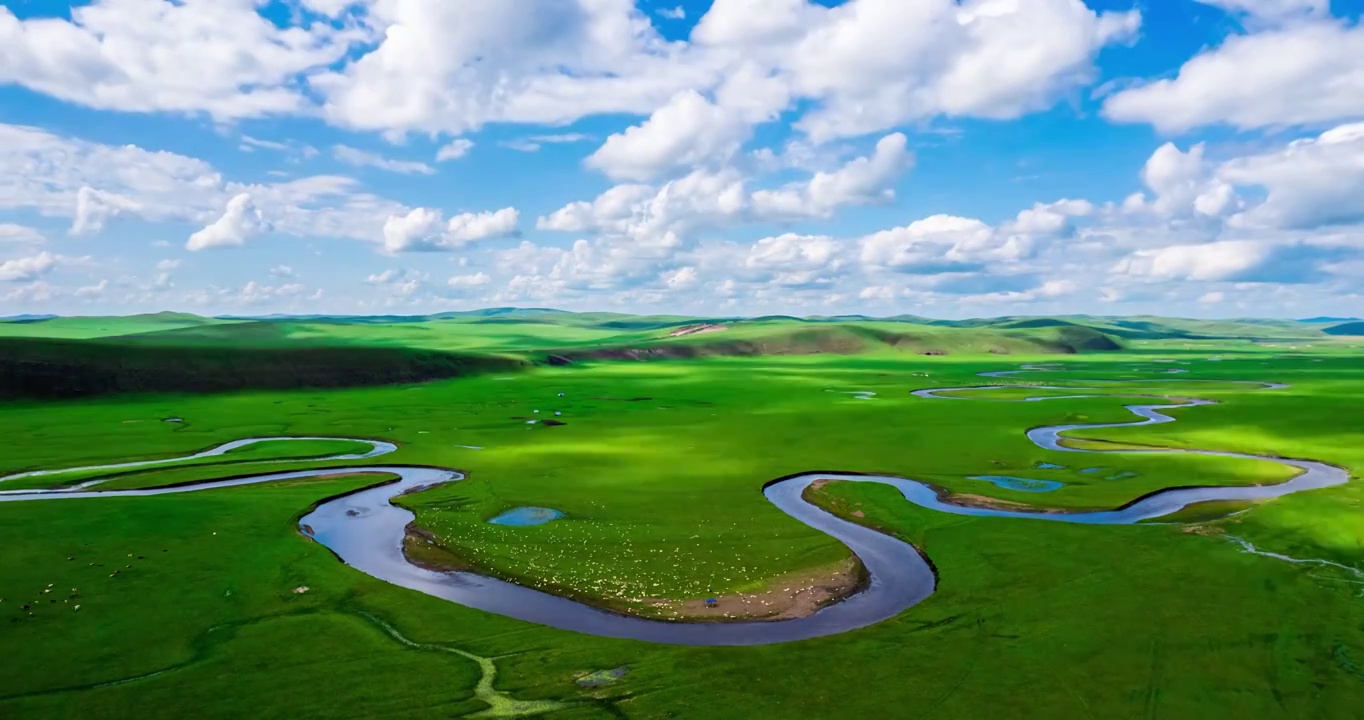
(366, 531)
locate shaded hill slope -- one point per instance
(46, 368)
(1346, 329)
(781, 337)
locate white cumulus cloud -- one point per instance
(687, 132)
(1302, 73)
(941, 244)
(95, 207)
(90, 291)
(468, 282)
(219, 57)
(424, 229)
(1183, 183)
(862, 181)
(454, 150)
(239, 222)
(470, 227)
(29, 268)
(1308, 184)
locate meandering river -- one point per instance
(366, 531)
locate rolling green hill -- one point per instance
(96, 327)
(783, 337)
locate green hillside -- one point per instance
(97, 327)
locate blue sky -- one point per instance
(967, 158)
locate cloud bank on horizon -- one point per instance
(939, 157)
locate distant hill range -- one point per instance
(1126, 327)
(46, 356)
(371, 319)
(1136, 327)
(1349, 328)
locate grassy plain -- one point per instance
(658, 469)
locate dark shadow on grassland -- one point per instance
(53, 369)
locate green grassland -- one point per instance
(659, 468)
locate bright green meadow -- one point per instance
(213, 604)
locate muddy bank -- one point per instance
(424, 549)
(792, 596)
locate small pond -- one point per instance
(526, 516)
(1017, 483)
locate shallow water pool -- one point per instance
(1017, 483)
(526, 516)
